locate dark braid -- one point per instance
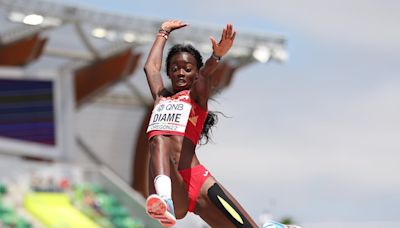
(212, 117)
(211, 121)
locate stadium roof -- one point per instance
(71, 37)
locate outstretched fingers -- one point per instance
(223, 36)
(179, 24)
(171, 25)
(228, 31)
(213, 42)
(230, 34)
(233, 36)
(227, 37)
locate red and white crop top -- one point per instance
(177, 115)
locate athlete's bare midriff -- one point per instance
(183, 152)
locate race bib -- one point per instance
(170, 116)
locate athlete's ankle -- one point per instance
(162, 185)
(170, 205)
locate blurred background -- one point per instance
(310, 93)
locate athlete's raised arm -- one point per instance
(152, 67)
(202, 87)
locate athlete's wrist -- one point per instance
(163, 33)
(163, 30)
(165, 36)
(215, 57)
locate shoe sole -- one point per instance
(278, 225)
(156, 208)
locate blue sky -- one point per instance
(316, 138)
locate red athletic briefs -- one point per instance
(194, 178)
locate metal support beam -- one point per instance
(253, 46)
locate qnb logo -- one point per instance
(160, 108)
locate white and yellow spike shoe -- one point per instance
(273, 224)
(161, 210)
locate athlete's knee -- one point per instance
(217, 195)
(157, 144)
(156, 140)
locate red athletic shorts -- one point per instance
(194, 178)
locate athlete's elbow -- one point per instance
(146, 68)
(146, 71)
(150, 69)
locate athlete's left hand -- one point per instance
(227, 38)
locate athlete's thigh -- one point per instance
(219, 208)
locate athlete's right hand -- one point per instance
(171, 25)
